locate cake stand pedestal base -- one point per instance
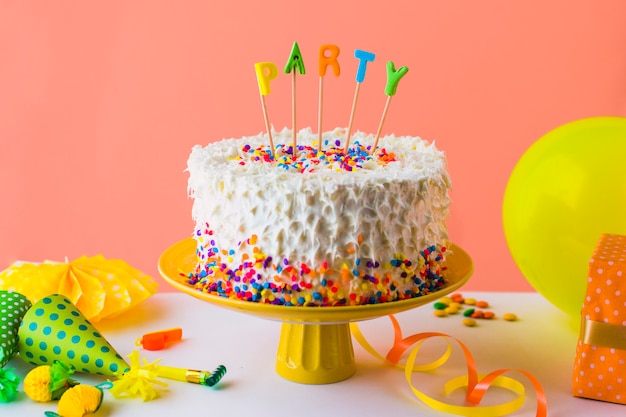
(315, 353)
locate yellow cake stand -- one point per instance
(315, 345)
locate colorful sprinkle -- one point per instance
(254, 276)
(309, 158)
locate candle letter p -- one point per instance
(265, 72)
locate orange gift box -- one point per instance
(600, 364)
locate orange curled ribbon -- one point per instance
(476, 384)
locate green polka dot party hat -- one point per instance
(54, 329)
(13, 307)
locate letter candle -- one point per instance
(364, 57)
(393, 78)
(328, 53)
(327, 56)
(295, 60)
(266, 72)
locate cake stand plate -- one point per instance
(315, 345)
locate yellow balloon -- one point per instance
(566, 190)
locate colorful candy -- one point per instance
(469, 322)
(478, 314)
(489, 315)
(440, 306)
(451, 309)
(470, 301)
(445, 300)
(457, 298)
(510, 317)
(453, 304)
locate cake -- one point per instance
(323, 228)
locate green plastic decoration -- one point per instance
(295, 60)
(393, 78)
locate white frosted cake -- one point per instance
(324, 228)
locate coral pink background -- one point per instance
(100, 103)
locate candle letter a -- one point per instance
(265, 72)
(295, 59)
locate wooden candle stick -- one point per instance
(324, 61)
(393, 78)
(364, 57)
(294, 61)
(266, 72)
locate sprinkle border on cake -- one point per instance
(307, 285)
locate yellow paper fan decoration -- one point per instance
(100, 288)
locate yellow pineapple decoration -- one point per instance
(48, 382)
(80, 400)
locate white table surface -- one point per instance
(542, 342)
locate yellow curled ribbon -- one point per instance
(476, 384)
